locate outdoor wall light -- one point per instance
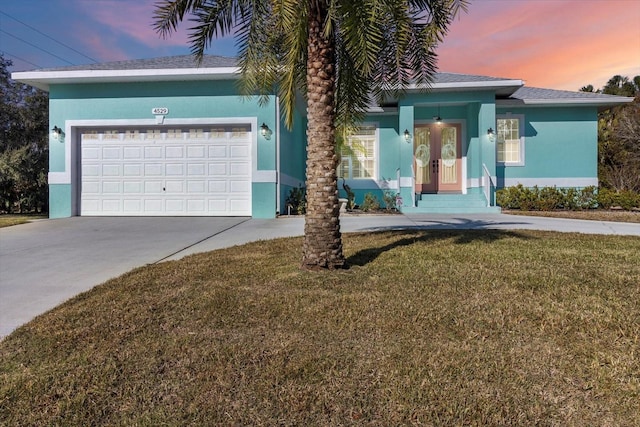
(407, 135)
(491, 134)
(265, 131)
(56, 132)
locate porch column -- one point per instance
(405, 122)
(486, 120)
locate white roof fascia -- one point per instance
(43, 79)
(564, 102)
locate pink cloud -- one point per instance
(557, 44)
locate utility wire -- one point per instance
(37, 47)
(47, 36)
(21, 59)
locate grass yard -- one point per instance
(9, 220)
(426, 328)
(592, 215)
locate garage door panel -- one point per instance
(132, 153)
(91, 153)
(196, 187)
(195, 169)
(174, 169)
(174, 187)
(91, 171)
(195, 152)
(153, 153)
(181, 172)
(239, 152)
(217, 169)
(111, 187)
(131, 170)
(153, 169)
(132, 187)
(151, 187)
(111, 153)
(111, 205)
(131, 206)
(174, 152)
(110, 170)
(175, 205)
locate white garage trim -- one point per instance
(72, 175)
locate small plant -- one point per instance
(297, 201)
(370, 203)
(389, 197)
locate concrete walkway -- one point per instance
(44, 263)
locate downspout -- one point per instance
(278, 189)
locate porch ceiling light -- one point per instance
(407, 135)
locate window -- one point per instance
(510, 140)
(358, 155)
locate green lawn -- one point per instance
(9, 220)
(425, 328)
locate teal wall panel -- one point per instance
(59, 200)
(264, 201)
(559, 143)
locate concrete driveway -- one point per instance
(44, 263)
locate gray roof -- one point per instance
(166, 62)
(441, 78)
(539, 96)
(528, 93)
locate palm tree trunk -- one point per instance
(322, 247)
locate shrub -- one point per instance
(370, 203)
(297, 200)
(389, 198)
(625, 199)
(552, 198)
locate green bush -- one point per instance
(370, 203)
(389, 199)
(625, 199)
(297, 201)
(552, 198)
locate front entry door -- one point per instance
(437, 158)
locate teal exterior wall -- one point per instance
(560, 142)
(561, 147)
(185, 100)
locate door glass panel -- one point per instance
(449, 154)
(422, 154)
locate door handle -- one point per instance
(434, 166)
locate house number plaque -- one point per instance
(160, 111)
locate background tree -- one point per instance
(335, 53)
(24, 152)
(619, 137)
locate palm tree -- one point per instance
(340, 54)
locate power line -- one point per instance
(37, 47)
(21, 59)
(47, 36)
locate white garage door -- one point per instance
(166, 172)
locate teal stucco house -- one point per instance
(165, 137)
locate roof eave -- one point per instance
(44, 79)
(600, 103)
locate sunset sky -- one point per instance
(559, 44)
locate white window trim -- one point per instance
(376, 160)
(521, 124)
